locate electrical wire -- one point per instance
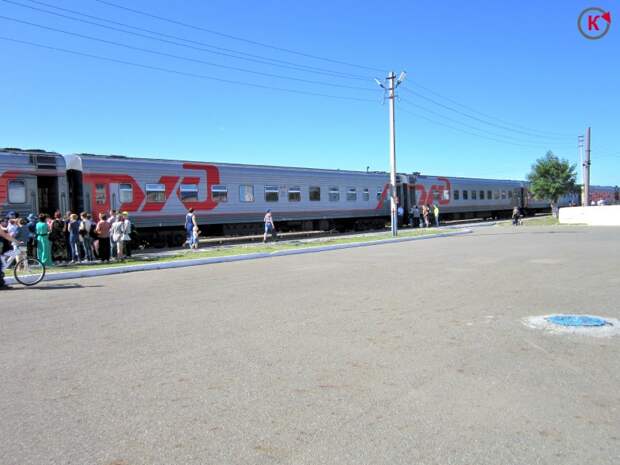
(490, 123)
(486, 114)
(213, 49)
(407, 102)
(439, 123)
(183, 73)
(241, 39)
(178, 57)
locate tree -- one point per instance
(551, 178)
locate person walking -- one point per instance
(516, 214)
(436, 214)
(85, 240)
(195, 236)
(190, 223)
(43, 244)
(103, 234)
(269, 226)
(74, 237)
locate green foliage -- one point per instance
(552, 177)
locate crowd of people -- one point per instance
(421, 217)
(71, 238)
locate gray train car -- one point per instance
(227, 198)
(32, 181)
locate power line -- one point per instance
(476, 128)
(179, 57)
(241, 39)
(490, 123)
(239, 55)
(439, 123)
(184, 73)
(487, 115)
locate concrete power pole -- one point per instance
(392, 84)
(586, 171)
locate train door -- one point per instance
(76, 189)
(403, 196)
(47, 194)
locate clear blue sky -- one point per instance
(522, 62)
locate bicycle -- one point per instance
(27, 271)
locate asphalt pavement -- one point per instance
(407, 353)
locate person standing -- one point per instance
(127, 236)
(269, 226)
(425, 213)
(6, 238)
(415, 213)
(57, 238)
(111, 220)
(190, 222)
(117, 233)
(436, 214)
(74, 237)
(103, 242)
(516, 214)
(43, 244)
(85, 239)
(32, 230)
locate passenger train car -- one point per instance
(232, 198)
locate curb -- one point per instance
(231, 258)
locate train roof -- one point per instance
(236, 165)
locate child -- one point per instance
(195, 235)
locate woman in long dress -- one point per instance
(43, 244)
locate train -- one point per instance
(231, 199)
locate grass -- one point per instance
(536, 221)
(245, 249)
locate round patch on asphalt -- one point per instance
(587, 325)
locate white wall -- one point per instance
(608, 215)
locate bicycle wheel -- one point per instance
(29, 271)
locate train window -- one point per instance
(489, 195)
(446, 194)
(510, 194)
(272, 193)
(314, 193)
(334, 194)
(503, 194)
(219, 193)
(125, 193)
(366, 195)
(155, 193)
(465, 195)
(495, 195)
(455, 194)
(188, 192)
(17, 192)
(473, 195)
(294, 194)
(246, 193)
(351, 194)
(379, 193)
(100, 194)
(481, 195)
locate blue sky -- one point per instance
(522, 63)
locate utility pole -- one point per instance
(580, 145)
(392, 84)
(586, 170)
